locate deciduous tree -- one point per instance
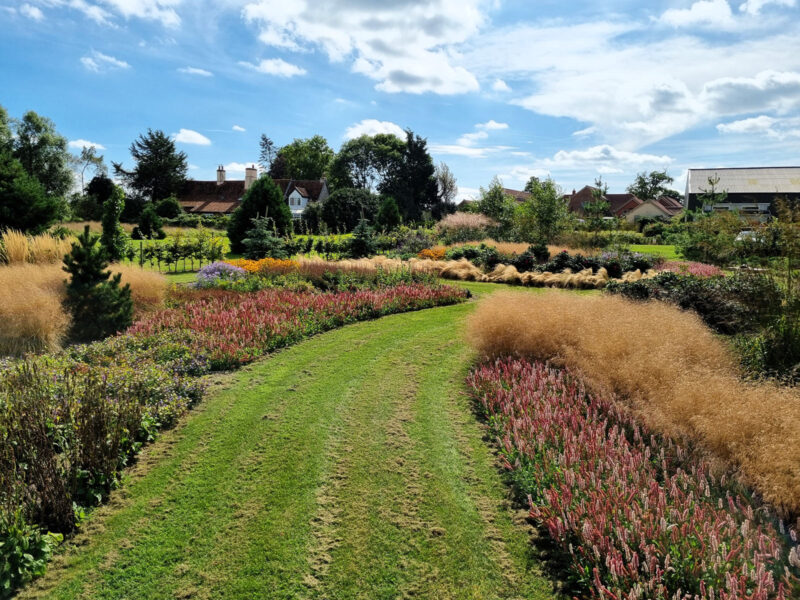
(263, 199)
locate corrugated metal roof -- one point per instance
(756, 180)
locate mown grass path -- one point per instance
(348, 466)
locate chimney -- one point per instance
(220, 175)
(250, 176)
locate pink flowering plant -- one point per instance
(637, 516)
(697, 269)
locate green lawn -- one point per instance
(348, 466)
(666, 252)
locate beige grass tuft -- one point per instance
(665, 364)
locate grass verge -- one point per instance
(348, 466)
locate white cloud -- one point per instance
(103, 11)
(238, 128)
(753, 7)
(470, 139)
(467, 193)
(405, 46)
(193, 167)
(187, 136)
(238, 167)
(81, 144)
(778, 129)
(373, 127)
(635, 89)
(602, 156)
(99, 62)
(500, 86)
(584, 132)
(491, 125)
(275, 66)
(32, 12)
(195, 71)
(712, 13)
(521, 174)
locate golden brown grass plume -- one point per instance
(668, 366)
(18, 248)
(32, 318)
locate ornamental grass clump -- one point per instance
(637, 515)
(677, 376)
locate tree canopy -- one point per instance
(543, 216)
(364, 162)
(410, 181)
(649, 186)
(344, 208)
(263, 199)
(24, 203)
(159, 170)
(306, 158)
(43, 153)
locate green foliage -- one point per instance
(486, 257)
(98, 305)
(169, 208)
(545, 215)
(711, 195)
(263, 199)
(267, 151)
(89, 158)
(497, 205)
(24, 551)
(150, 224)
(410, 180)
(113, 237)
(649, 186)
(306, 158)
(160, 169)
(388, 216)
(311, 219)
(363, 241)
(261, 241)
(43, 153)
(89, 205)
(364, 162)
(711, 238)
(344, 208)
(24, 204)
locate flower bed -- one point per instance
(231, 329)
(697, 269)
(70, 422)
(638, 516)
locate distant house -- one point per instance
(224, 196)
(751, 191)
(220, 197)
(659, 208)
(299, 193)
(618, 204)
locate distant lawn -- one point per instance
(666, 252)
(180, 278)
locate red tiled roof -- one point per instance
(518, 195)
(618, 204)
(210, 197)
(669, 205)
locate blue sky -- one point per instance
(510, 88)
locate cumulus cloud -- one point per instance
(631, 89)
(238, 167)
(275, 66)
(32, 12)
(500, 86)
(603, 155)
(188, 136)
(373, 127)
(238, 128)
(753, 7)
(195, 71)
(491, 125)
(99, 62)
(81, 144)
(404, 46)
(713, 13)
(763, 125)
